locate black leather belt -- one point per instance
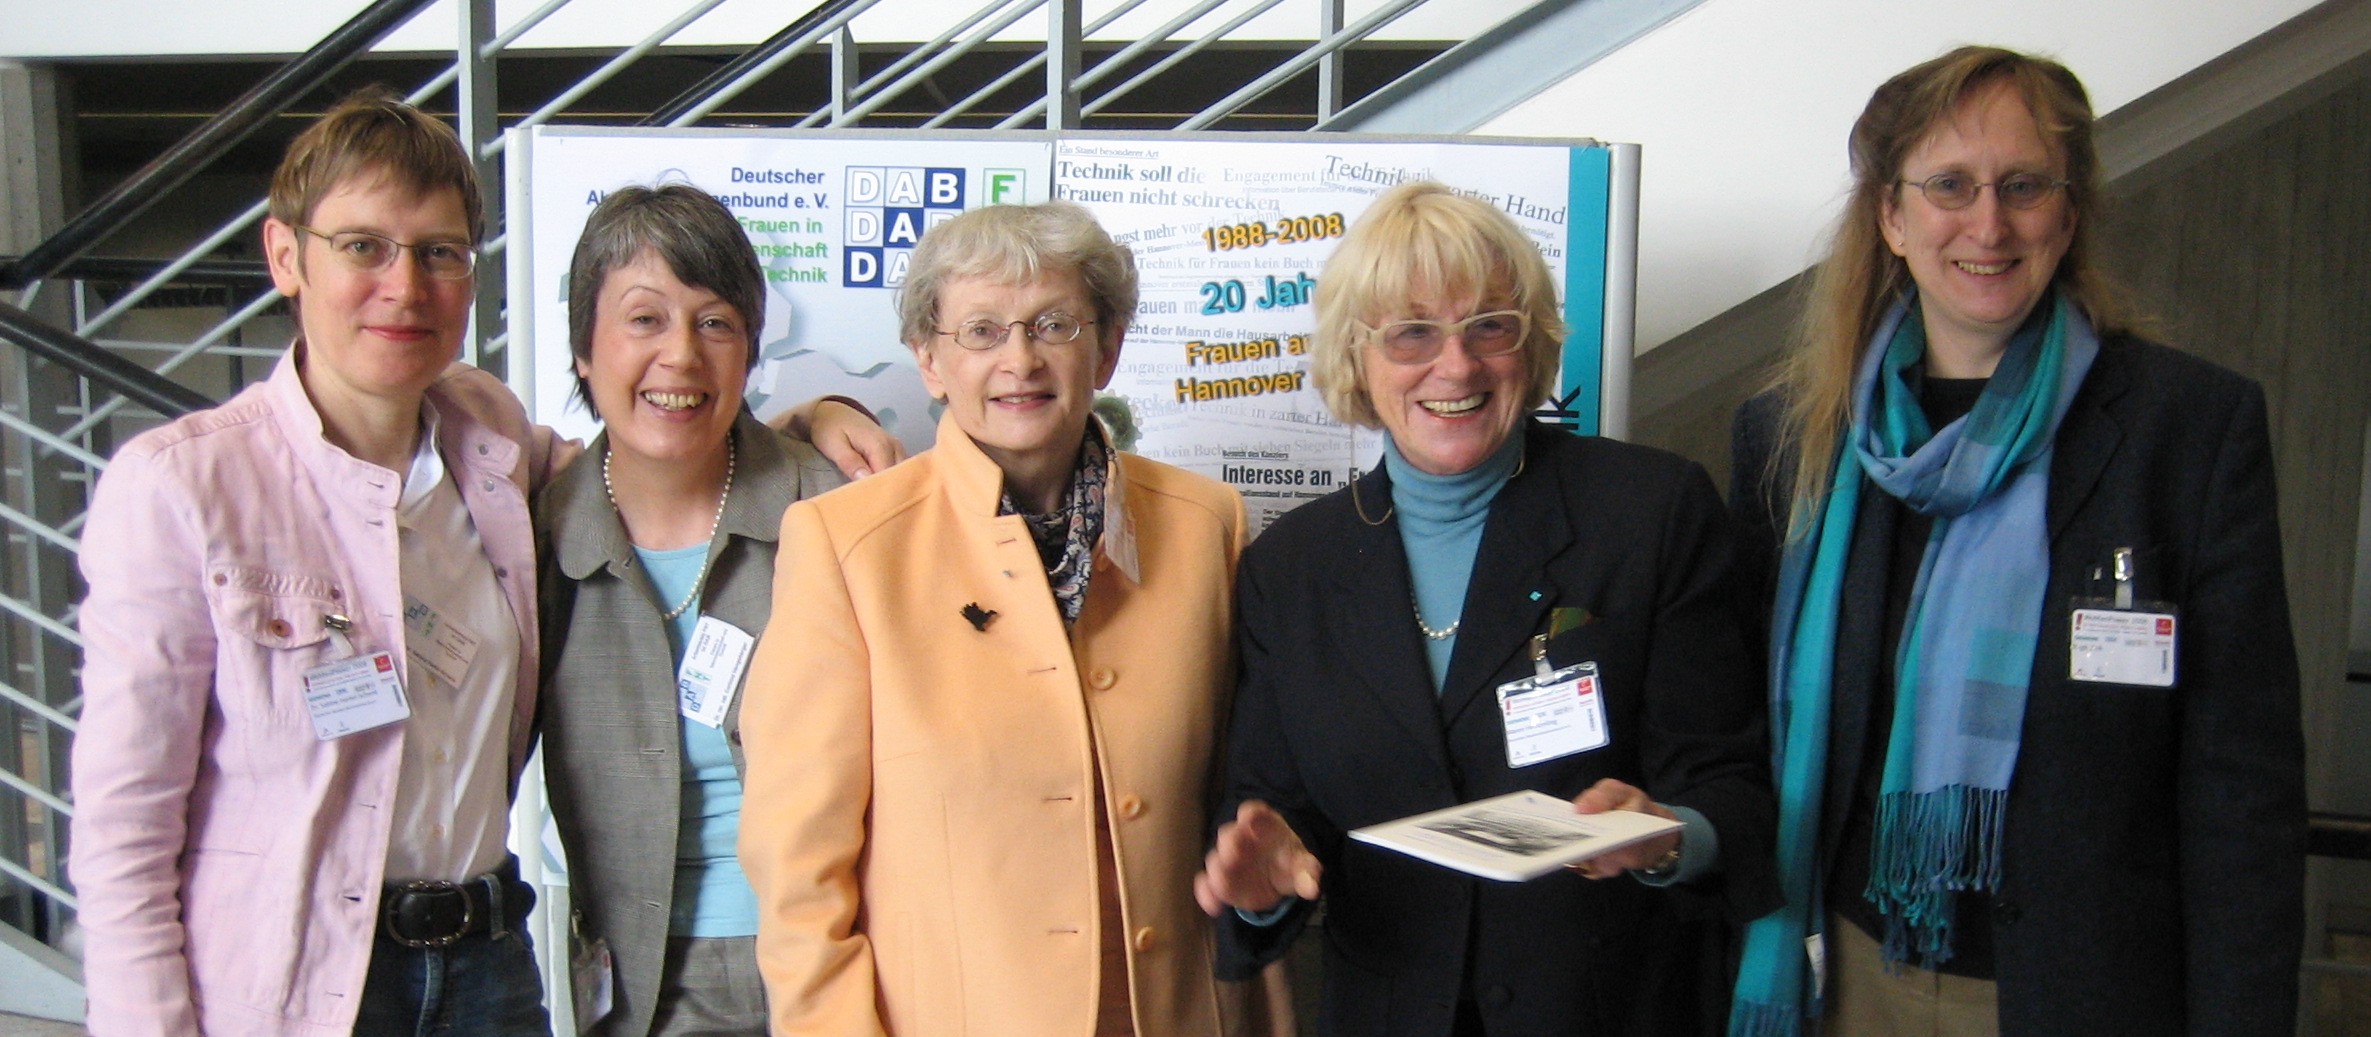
(425, 913)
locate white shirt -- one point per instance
(452, 794)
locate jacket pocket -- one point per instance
(270, 628)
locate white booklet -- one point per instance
(1511, 838)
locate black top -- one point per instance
(1944, 400)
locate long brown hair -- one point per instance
(1860, 278)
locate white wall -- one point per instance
(1743, 106)
(125, 28)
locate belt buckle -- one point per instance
(422, 891)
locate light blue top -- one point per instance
(1440, 530)
(712, 895)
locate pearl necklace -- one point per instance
(732, 458)
(1430, 634)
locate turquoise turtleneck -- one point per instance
(1441, 519)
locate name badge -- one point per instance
(2118, 640)
(1553, 714)
(439, 645)
(711, 671)
(355, 694)
(2116, 646)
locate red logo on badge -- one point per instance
(383, 662)
(2165, 626)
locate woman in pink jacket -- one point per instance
(310, 649)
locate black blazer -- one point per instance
(2153, 863)
(1336, 725)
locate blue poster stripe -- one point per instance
(1584, 287)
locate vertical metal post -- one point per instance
(480, 123)
(1062, 44)
(843, 73)
(1329, 67)
(1621, 291)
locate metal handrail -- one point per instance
(929, 52)
(793, 38)
(84, 357)
(127, 269)
(1037, 62)
(1182, 53)
(211, 140)
(836, 22)
(1352, 33)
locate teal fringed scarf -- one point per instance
(1965, 656)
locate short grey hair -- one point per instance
(690, 231)
(1017, 244)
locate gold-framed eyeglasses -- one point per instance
(370, 253)
(1486, 335)
(1959, 190)
(1053, 329)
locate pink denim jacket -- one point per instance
(228, 862)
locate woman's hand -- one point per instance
(1609, 794)
(1256, 863)
(846, 436)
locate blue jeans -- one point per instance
(483, 984)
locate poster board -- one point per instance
(1230, 233)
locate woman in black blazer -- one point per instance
(1378, 624)
(2044, 771)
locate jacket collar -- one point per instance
(975, 485)
(465, 443)
(1506, 600)
(2088, 436)
(587, 535)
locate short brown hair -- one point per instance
(1423, 237)
(374, 132)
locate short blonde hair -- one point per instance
(1423, 239)
(1017, 244)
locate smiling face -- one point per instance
(1980, 269)
(668, 365)
(384, 334)
(1452, 412)
(1024, 402)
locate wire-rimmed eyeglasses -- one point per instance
(368, 252)
(1053, 329)
(1493, 334)
(1959, 190)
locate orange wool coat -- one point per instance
(918, 813)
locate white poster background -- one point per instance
(1229, 238)
(817, 208)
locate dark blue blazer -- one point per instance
(2153, 864)
(1336, 724)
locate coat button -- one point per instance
(1144, 939)
(501, 573)
(481, 450)
(734, 736)
(1131, 807)
(277, 627)
(1102, 679)
(220, 579)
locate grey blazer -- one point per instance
(611, 735)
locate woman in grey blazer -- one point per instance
(657, 576)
